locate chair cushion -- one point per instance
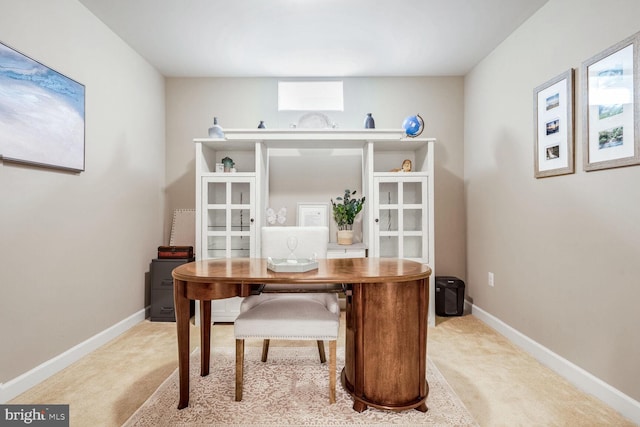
(288, 316)
(329, 300)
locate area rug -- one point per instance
(290, 389)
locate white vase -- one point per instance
(345, 237)
(216, 131)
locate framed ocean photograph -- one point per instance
(42, 114)
(554, 126)
(611, 112)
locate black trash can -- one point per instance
(449, 296)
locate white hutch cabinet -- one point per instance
(400, 211)
(227, 215)
(230, 207)
(226, 210)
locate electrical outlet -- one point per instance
(490, 279)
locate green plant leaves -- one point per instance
(345, 213)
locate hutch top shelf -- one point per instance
(381, 149)
(383, 139)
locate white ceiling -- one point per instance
(313, 38)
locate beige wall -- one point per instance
(74, 248)
(243, 102)
(565, 249)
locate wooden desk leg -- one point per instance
(358, 303)
(205, 337)
(181, 303)
(359, 406)
(332, 371)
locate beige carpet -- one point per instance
(291, 389)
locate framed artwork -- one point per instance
(313, 214)
(554, 126)
(42, 114)
(610, 107)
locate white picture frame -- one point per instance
(313, 214)
(554, 126)
(611, 106)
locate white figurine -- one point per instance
(271, 216)
(282, 215)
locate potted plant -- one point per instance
(345, 210)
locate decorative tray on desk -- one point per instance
(283, 265)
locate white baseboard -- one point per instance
(582, 379)
(24, 382)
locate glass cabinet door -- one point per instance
(228, 217)
(400, 217)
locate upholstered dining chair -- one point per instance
(283, 312)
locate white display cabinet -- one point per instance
(226, 209)
(228, 216)
(397, 221)
(400, 216)
(228, 231)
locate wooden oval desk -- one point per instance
(386, 320)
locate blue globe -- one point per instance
(413, 125)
